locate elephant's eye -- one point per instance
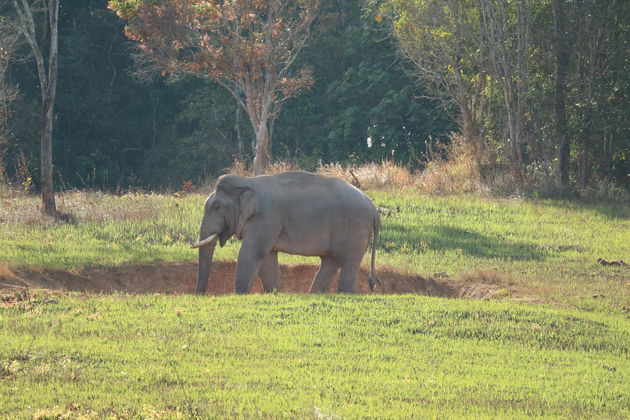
(216, 207)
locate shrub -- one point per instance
(456, 169)
(372, 175)
(604, 190)
(452, 169)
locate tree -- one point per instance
(42, 37)
(8, 92)
(247, 46)
(598, 87)
(474, 53)
(8, 45)
(560, 88)
(505, 31)
(107, 121)
(443, 40)
(363, 90)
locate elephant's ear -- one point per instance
(248, 205)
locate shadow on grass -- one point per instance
(611, 210)
(443, 238)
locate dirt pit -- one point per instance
(181, 278)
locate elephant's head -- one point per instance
(226, 212)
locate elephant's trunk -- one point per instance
(206, 252)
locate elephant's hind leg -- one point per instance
(325, 275)
(269, 273)
(349, 278)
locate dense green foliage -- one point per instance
(541, 85)
(529, 96)
(362, 91)
(288, 356)
(113, 129)
(531, 248)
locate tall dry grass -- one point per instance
(370, 176)
(454, 174)
(453, 170)
(19, 208)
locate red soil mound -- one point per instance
(181, 278)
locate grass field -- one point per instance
(325, 356)
(544, 249)
(301, 356)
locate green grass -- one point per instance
(546, 248)
(302, 356)
(107, 230)
(541, 248)
(325, 356)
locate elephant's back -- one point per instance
(320, 189)
(323, 206)
(301, 180)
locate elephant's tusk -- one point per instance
(205, 241)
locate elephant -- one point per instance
(292, 212)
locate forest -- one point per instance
(532, 90)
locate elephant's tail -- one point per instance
(376, 226)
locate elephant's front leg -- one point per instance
(257, 245)
(269, 272)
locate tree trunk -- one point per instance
(496, 32)
(583, 156)
(261, 160)
(239, 136)
(516, 149)
(47, 189)
(48, 86)
(514, 136)
(606, 154)
(562, 63)
(522, 11)
(48, 105)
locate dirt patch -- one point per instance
(181, 278)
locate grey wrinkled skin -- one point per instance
(293, 212)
